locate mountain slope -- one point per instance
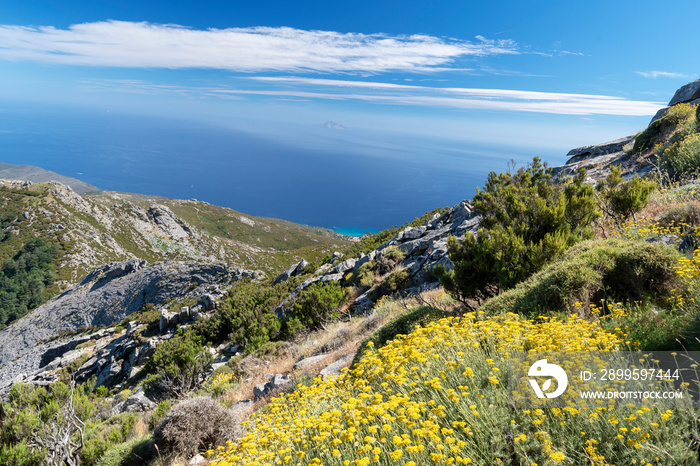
(93, 230)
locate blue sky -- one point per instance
(546, 76)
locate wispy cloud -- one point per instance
(662, 74)
(147, 45)
(417, 96)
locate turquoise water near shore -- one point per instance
(350, 231)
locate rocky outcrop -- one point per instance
(687, 93)
(690, 93)
(106, 296)
(292, 271)
(423, 247)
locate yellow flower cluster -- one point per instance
(605, 311)
(440, 396)
(689, 268)
(643, 229)
(218, 384)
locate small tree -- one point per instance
(620, 199)
(314, 307)
(526, 221)
(178, 366)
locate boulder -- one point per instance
(410, 233)
(131, 327)
(184, 314)
(280, 381)
(166, 320)
(300, 267)
(308, 362)
(197, 460)
(261, 390)
(334, 369)
(344, 266)
(690, 91)
(138, 402)
(110, 374)
(208, 302)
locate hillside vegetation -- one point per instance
(95, 229)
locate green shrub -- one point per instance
(683, 157)
(364, 275)
(623, 199)
(394, 282)
(401, 325)
(687, 214)
(679, 115)
(615, 269)
(159, 413)
(246, 315)
(136, 452)
(177, 366)
(526, 221)
(20, 455)
(105, 435)
(313, 307)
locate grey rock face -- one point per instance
(261, 390)
(168, 222)
(105, 297)
(292, 271)
(595, 150)
(138, 402)
(344, 266)
(334, 369)
(690, 91)
(310, 361)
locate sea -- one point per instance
(351, 182)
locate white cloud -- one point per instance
(662, 74)
(412, 95)
(466, 98)
(146, 45)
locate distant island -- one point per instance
(331, 125)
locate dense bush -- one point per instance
(678, 118)
(24, 278)
(314, 307)
(247, 315)
(135, 452)
(623, 199)
(616, 269)
(177, 366)
(526, 221)
(683, 157)
(195, 425)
